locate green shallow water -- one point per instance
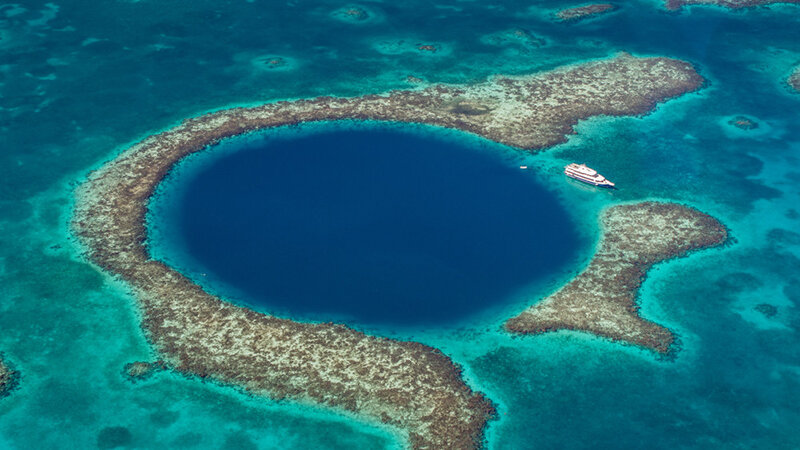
(80, 81)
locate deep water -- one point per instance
(369, 225)
(80, 81)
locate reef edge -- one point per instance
(602, 299)
(585, 11)
(9, 379)
(794, 79)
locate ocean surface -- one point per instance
(369, 225)
(80, 81)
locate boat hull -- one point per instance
(605, 183)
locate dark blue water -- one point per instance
(377, 225)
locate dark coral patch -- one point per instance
(767, 310)
(732, 4)
(582, 12)
(140, 370)
(794, 79)
(114, 437)
(356, 14)
(9, 379)
(743, 123)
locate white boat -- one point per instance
(587, 175)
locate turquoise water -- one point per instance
(81, 80)
(369, 225)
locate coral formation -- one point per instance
(602, 299)
(140, 370)
(8, 379)
(355, 14)
(743, 123)
(271, 63)
(409, 385)
(794, 79)
(582, 12)
(114, 437)
(732, 4)
(767, 310)
(274, 62)
(412, 46)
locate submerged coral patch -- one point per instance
(767, 310)
(140, 370)
(401, 46)
(743, 123)
(8, 379)
(743, 126)
(274, 63)
(732, 4)
(356, 14)
(794, 79)
(583, 12)
(411, 79)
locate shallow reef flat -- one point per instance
(794, 79)
(582, 12)
(602, 299)
(405, 384)
(732, 4)
(8, 379)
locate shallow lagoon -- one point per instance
(372, 224)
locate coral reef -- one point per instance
(8, 379)
(271, 63)
(602, 299)
(794, 79)
(140, 370)
(743, 123)
(274, 62)
(412, 46)
(355, 14)
(767, 310)
(405, 384)
(732, 4)
(582, 12)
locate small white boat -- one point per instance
(587, 175)
(523, 167)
